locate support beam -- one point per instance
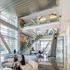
(52, 56)
(8, 25)
(53, 46)
(6, 45)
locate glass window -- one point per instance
(8, 18)
(10, 36)
(2, 46)
(45, 46)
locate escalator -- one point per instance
(31, 41)
(34, 38)
(52, 63)
(52, 60)
(52, 56)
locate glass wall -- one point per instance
(8, 18)
(9, 35)
(45, 46)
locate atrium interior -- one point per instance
(34, 35)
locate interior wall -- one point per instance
(66, 23)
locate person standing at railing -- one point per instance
(22, 60)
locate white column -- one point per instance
(66, 22)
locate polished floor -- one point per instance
(49, 66)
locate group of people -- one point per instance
(17, 64)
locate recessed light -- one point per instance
(53, 16)
(42, 19)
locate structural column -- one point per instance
(66, 22)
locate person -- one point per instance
(40, 55)
(22, 60)
(14, 51)
(15, 56)
(16, 64)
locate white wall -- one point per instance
(66, 21)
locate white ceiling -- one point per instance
(25, 7)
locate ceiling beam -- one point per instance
(8, 24)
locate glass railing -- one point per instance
(38, 23)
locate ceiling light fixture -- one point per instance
(42, 19)
(53, 16)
